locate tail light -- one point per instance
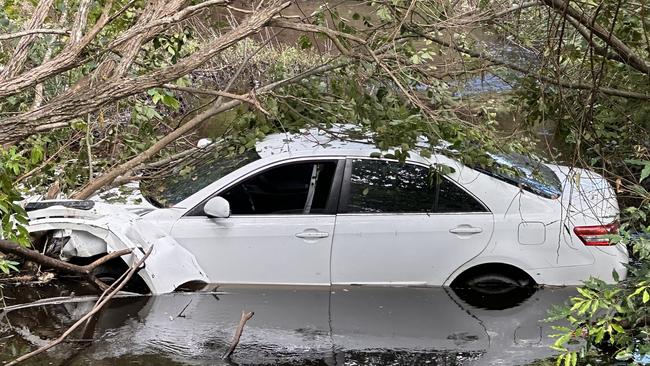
(596, 235)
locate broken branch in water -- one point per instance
(240, 328)
(103, 300)
(86, 271)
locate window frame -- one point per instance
(332, 200)
(346, 187)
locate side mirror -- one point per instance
(217, 207)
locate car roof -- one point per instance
(315, 141)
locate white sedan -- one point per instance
(306, 209)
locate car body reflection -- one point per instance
(347, 325)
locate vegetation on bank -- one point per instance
(94, 94)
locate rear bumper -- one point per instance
(607, 260)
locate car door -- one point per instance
(280, 229)
(404, 224)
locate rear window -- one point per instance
(522, 171)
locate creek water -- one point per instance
(291, 326)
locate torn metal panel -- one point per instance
(169, 265)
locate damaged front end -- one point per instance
(85, 229)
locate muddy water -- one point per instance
(296, 326)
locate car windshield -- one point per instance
(192, 175)
(519, 170)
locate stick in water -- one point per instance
(240, 328)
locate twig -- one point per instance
(98, 306)
(246, 99)
(89, 149)
(33, 31)
(240, 328)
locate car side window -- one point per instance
(452, 198)
(295, 188)
(380, 186)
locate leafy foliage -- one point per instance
(612, 319)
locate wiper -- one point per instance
(153, 201)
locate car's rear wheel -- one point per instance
(494, 286)
(495, 283)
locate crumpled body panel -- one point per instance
(169, 266)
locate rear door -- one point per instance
(404, 224)
(280, 230)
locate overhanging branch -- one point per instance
(628, 55)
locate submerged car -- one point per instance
(309, 209)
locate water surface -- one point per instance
(291, 326)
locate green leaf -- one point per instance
(618, 328)
(646, 296)
(645, 172)
(171, 102)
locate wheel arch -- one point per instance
(494, 265)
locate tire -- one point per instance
(495, 283)
(494, 291)
(111, 271)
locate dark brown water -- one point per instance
(291, 326)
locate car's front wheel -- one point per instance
(111, 271)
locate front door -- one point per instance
(404, 224)
(280, 229)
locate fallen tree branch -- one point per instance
(104, 299)
(88, 98)
(86, 271)
(240, 329)
(108, 177)
(630, 58)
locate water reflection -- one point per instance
(345, 326)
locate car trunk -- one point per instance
(587, 198)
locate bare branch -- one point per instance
(65, 60)
(627, 54)
(240, 329)
(332, 34)
(28, 32)
(80, 21)
(17, 60)
(246, 99)
(177, 17)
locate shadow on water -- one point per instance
(304, 326)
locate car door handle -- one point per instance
(312, 235)
(466, 229)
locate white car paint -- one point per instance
(521, 229)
